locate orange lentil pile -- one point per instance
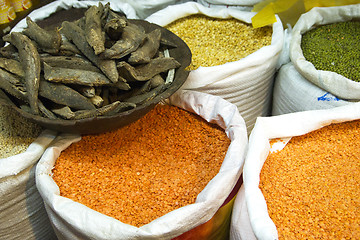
(312, 186)
(144, 170)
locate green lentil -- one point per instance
(17, 133)
(215, 41)
(334, 47)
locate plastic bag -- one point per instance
(289, 11)
(22, 212)
(72, 220)
(250, 217)
(294, 93)
(332, 82)
(248, 82)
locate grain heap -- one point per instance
(311, 186)
(144, 170)
(215, 41)
(334, 47)
(16, 133)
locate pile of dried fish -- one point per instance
(99, 65)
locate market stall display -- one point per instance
(170, 220)
(130, 120)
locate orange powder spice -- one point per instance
(312, 186)
(146, 169)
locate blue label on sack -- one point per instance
(328, 97)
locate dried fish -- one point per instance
(121, 85)
(5, 99)
(64, 95)
(131, 38)
(46, 112)
(71, 62)
(74, 76)
(105, 95)
(156, 81)
(47, 40)
(13, 66)
(140, 99)
(68, 49)
(106, 110)
(25, 108)
(87, 91)
(77, 36)
(146, 71)
(12, 85)
(9, 51)
(97, 101)
(167, 43)
(64, 112)
(30, 61)
(95, 36)
(148, 50)
(114, 27)
(119, 107)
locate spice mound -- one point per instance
(99, 65)
(215, 41)
(16, 132)
(312, 186)
(144, 170)
(334, 47)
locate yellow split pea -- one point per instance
(215, 41)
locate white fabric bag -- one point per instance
(73, 220)
(294, 93)
(145, 8)
(332, 82)
(248, 82)
(250, 219)
(22, 211)
(245, 5)
(55, 6)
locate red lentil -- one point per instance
(311, 186)
(146, 169)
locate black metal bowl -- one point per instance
(102, 124)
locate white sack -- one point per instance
(332, 82)
(22, 212)
(234, 2)
(247, 83)
(145, 8)
(294, 93)
(256, 221)
(55, 6)
(244, 5)
(73, 220)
